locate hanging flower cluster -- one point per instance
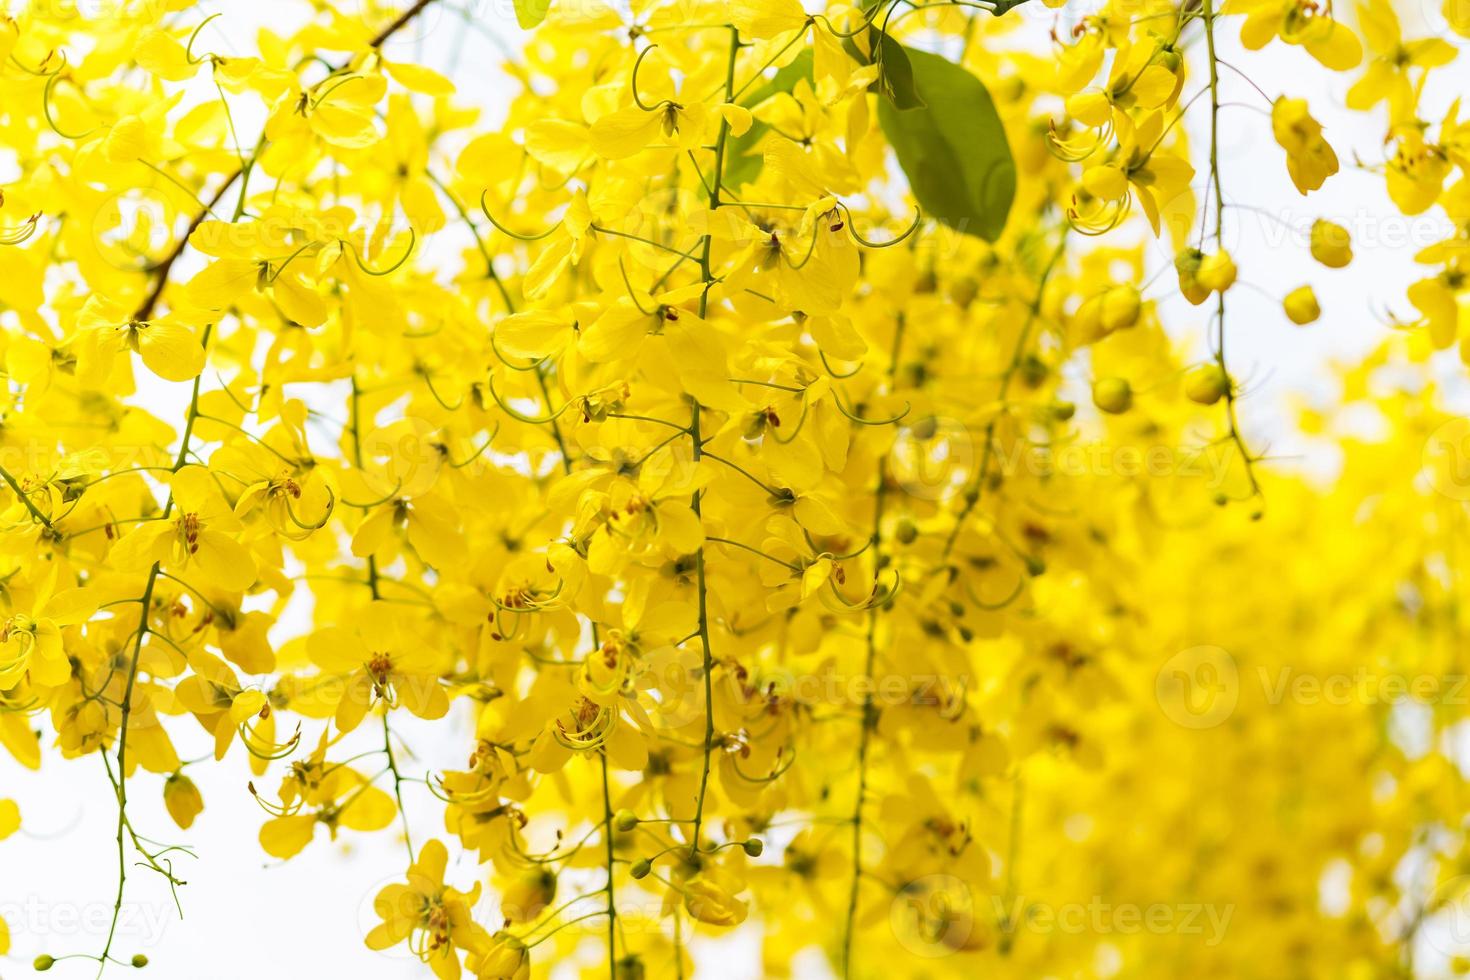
(688, 453)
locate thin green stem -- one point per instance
(1231, 396)
(146, 601)
(869, 715)
(696, 442)
(23, 498)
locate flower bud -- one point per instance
(625, 820)
(182, 800)
(505, 956)
(527, 896)
(1033, 370)
(1206, 384)
(1331, 244)
(43, 963)
(1216, 272)
(907, 531)
(640, 868)
(1112, 395)
(1087, 322)
(1187, 264)
(1063, 411)
(754, 847)
(1301, 305)
(629, 968)
(139, 961)
(1120, 308)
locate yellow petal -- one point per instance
(625, 132)
(417, 78)
(9, 818)
(1336, 47)
(170, 350)
(285, 837)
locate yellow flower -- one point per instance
(434, 918)
(195, 540)
(315, 791)
(709, 896)
(31, 642)
(1157, 178)
(1303, 22)
(217, 699)
(378, 659)
(106, 333)
(1139, 80)
(338, 110)
(1437, 300)
(683, 125)
(1387, 78)
(1417, 171)
(1309, 158)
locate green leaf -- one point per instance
(896, 74)
(743, 159)
(530, 13)
(953, 151)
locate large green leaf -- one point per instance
(954, 150)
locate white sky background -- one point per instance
(247, 916)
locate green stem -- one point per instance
(1230, 395)
(869, 716)
(21, 495)
(612, 911)
(142, 631)
(697, 443)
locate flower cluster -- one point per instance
(674, 452)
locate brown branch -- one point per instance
(145, 309)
